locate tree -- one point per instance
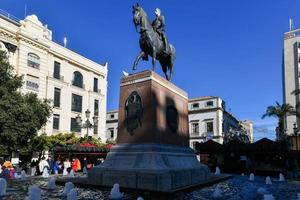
(239, 134)
(279, 111)
(21, 115)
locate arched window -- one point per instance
(77, 79)
(33, 60)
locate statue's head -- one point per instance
(157, 12)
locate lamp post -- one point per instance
(87, 124)
(296, 134)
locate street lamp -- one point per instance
(296, 134)
(87, 124)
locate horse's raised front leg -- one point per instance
(141, 54)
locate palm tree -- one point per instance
(279, 111)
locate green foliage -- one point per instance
(21, 115)
(279, 111)
(47, 143)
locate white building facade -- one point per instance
(73, 83)
(208, 119)
(291, 76)
(112, 125)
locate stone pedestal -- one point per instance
(152, 145)
(159, 98)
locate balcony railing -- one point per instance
(9, 16)
(58, 77)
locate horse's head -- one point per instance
(138, 13)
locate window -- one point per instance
(209, 103)
(96, 107)
(33, 60)
(95, 85)
(76, 103)
(195, 128)
(55, 121)
(96, 129)
(74, 126)
(56, 72)
(112, 116)
(195, 105)
(31, 85)
(56, 97)
(209, 126)
(111, 133)
(77, 79)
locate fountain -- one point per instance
(115, 192)
(218, 171)
(72, 195)
(298, 196)
(51, 184)
(242, 174)
(84, 171)
(268, 197)
(217, 192)
(251, 177)
(261, 191)
(68, 187)
(268, 180)
(45, 173)
(281, 177)
(65, 172)
(71, 173)
(23, 175)
(3, 185)
(140, 198)
(34, 193)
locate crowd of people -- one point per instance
(53, 166)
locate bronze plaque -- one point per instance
(133, 112)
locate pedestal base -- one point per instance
(155, 167)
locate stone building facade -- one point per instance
(208, 119)
(112, 125)
(73, 82)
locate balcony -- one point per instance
(58, 77)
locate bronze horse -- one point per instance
(151, 44)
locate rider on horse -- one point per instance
(159, 27)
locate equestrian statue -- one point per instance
(153, 41)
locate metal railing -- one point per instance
(292, 34)
(58, 77)
(9, 16)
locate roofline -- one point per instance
(203, 98)
(111, 111)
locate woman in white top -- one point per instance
(67, 165)
(43, 164)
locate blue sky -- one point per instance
(231, 49)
